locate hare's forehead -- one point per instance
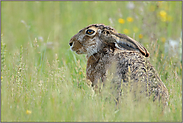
(92, 28)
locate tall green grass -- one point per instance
(42, 80)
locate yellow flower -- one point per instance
(135, 29)
(122, 21)
(164, 17)
(140, 36)
(28, 112)
(126, 31)
(1, 77)
(163, 39)
(162, 13)
(80, 73)
(129, 19)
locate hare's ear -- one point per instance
(125, 42)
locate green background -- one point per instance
(42, 80)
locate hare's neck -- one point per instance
(93, 59)
(91, 64)
(96, 63)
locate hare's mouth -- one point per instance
(79, 52)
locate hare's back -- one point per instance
(135, 68)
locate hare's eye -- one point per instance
(89, 31)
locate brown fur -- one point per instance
(128, 66)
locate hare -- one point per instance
(107, 51)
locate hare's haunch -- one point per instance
(108, 50)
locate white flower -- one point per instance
(40, 38)
(130, 5)
(174, 47)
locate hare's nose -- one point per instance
(71, 43)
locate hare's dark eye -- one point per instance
(89, 31)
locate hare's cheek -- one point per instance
(78, 48)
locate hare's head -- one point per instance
(94, 37)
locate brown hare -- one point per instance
(108, 50)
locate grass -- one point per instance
(42, 80)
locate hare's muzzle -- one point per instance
(72, 40)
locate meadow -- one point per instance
(43, 81)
